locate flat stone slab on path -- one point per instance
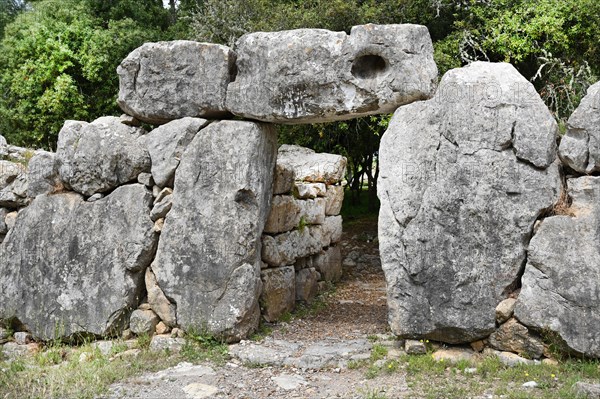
(311, 356)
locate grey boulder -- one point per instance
(70, 266)
(160, 82)
(560, 291)
(309, 166)
(464, 177)
(208, 259)
(278, 292)
(102, 155)
(167, 143)
(42, 174)
(143, 322)
(9, 172)
(580, 146)
(315, 75)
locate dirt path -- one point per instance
(358, 306)
(306, 357)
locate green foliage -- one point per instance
(9, 9)
(555, 44)
(302, 223)
(58, 61)
(200, 345)
(143, 341)
(378, 352)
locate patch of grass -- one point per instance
(356, 364)
(202, 346)
(372, 372)
(255, 365)
(378, 352)
(195, 353)
(372, 393)
(311, 309)
(430, 379)
(391, 366)
(286, 317)
(263, 331)
(57, 372)
(143, 341)
(302, 224)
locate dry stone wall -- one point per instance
(299, 252)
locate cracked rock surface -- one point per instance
(72, 266)
(208, 258)
(315, 75)
(561, 284)
(464, 177)
(580, 146)
(159, 82)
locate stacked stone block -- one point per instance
(299, 251)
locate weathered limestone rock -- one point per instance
(143, 322)
(335, 199)
(22, 338)
(309, 166)
(505, 310)
(561, 286)
(507, 358)
(283, 181)
(159, 82)
(99, 156)
(580, 146)
(284, 215)
(42, 174)
(167, 143)
(309, 190)
(158, 301)
(3, 226)
(162, 208)
(312, 211)
(453, 355)
(414, 347)
(146, 179)
(307, 285)
(162, 194)
(330, 232)
(329, 264)
(208, 260)
(586, 390)
(85, 273)
(162, 328)
(13, 185)
(9, 172)
(464, 177)
(3, 146)
(10, 219)
(515, 337)
(278, 292)
(285, 248)
(315, 75)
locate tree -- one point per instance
(9, 9)
(58, 62)
(553, 43)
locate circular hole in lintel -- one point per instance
(368, 66)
